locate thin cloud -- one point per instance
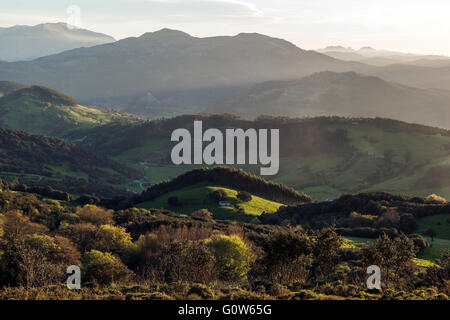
(216, 8)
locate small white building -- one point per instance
(224, 204)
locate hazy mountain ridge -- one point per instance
(30, 42)
(169, 69)
(375, 57)
(169, 72)
(343, 94)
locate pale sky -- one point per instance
(416, 26)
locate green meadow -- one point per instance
(197, 197)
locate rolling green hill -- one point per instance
(342, 94)
(41, 110)
(39, 160)
(196, 197)
(323, 157)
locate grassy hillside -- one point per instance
(38, 160)
(197, 197)
(441, 224)
(382, 159)
(41, 110)
(323, 157)
(437, 247)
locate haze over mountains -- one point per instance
(30, 42)
(169, 69)
(343, 94)
(169, 72)
(325, 156)
(375, 57)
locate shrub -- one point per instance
(57, 249)
(103, 268)
(21, 263)
(305, 295)
(244, 196)
(142, 296)
(356, 220)
(95, 215)
(279, 291)
(2, 222)
(325, 250)
(419, 242)
(202, 214)
(389, 219)
(394, 257)
(218, 195)
(434, 198)
(115, 240)
(187, 261)
(233, 257)
(83, 234)
(408, 223)
(39, 265)
(201, 290)
(286, 258)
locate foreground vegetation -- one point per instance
(157, 254)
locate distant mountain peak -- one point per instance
(22, 42)
(336, 49)
(167, 33)
(250, 34)
(367, 49)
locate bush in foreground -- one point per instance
(103, 268)
(233, 257)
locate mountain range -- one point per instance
(169, 72)
(342, 94)
(31, 42)
(375, 57)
